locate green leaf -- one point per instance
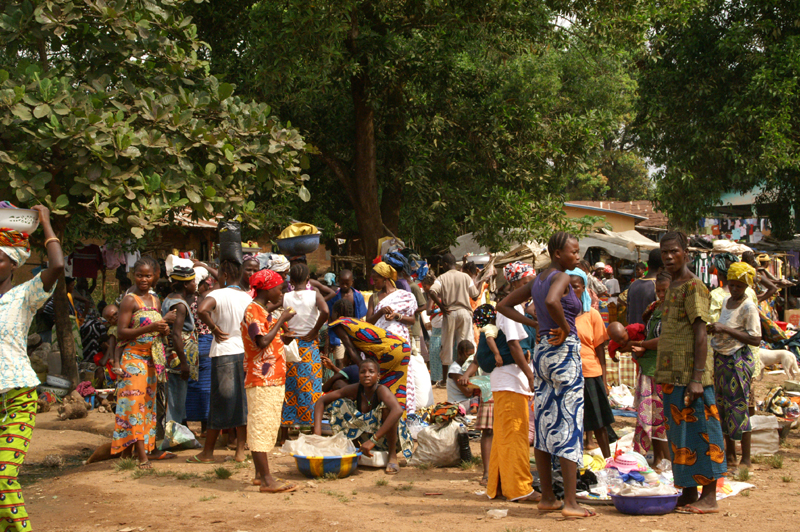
(62, 201)
(193, 196)
(211, 168)
(225, 90)
(210, 192)
(304, 194)
(41, 110)
(3, 76)
(138, 232)
(22, 112)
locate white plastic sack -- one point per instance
(174, 260)
(313, 445)
(437, 445)
(620, 397)
(177, 435)
(765, 438)
(629, 490)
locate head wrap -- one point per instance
(15, 245)
(273, 261)
(265, 280)
(329, 278)
(484, 315)
(608, 269)
(396, 260)
(517, 270)
(741, 271)
(182, 273)
(763, 258)
(723, 261)
(386, 271)
(599, 266)
(200, 274)
(247, 257)
(586, 299)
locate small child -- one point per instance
(493, 349)
(104, 375)
(624, 338)
(456, 392)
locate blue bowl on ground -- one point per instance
(320, 466)
(649, 505)
(299, 245)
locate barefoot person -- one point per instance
(685, 372)
(18, 304)
(222, 310)
(367, 412)
(264, 375)
(558, 395)
(738, 328)
(140, 330)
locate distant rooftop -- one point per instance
(643, 209)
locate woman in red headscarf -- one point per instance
(264, 374)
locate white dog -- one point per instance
(782, 357)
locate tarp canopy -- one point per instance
(628, 245)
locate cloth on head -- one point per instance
(484, 315)
(265, 280)
(396, 260)
(723, 261)
(608, 269)
(273, 261)
(174, 261)
(586, 299)
(248, 256)
(200, 274)
(329, 278)
(18, 255)
(517, 270)
(741, 271)
(182, 273)
(386, 271)
(599, 266)
(16, 245)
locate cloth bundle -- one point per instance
(13, 243)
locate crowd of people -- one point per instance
(255, 348)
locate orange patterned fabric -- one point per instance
(267, 366)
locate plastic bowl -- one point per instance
(299, 245)
(650, 505)
(57, 381)
(22, 220)
(320, 466)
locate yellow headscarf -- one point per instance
(386, 271)
(741, 271)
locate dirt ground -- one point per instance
(189, 497)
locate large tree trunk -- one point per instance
(66, 344)
(395, 161)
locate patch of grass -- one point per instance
(223, 472)
(742, 475)
(194, 485)
(423, 467)
(187, 476)
(327, 477)
(775, 461)
(786, 444)
(745, 493)
(336, 495)
(404, 487)
(209, 498)
(355, 492)
(125, 464)
(241, 465)
(472, 462)
(787, 479)
(381, 482)
(139, 473)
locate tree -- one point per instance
(431, 117)
(719, 108)
(111, 120)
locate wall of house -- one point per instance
(618, 222)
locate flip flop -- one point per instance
(392, 469)
(146, 465)
(484, 481)
(165, 456)
(195, 460)
(286, 488)
(586, 514)
(689, 509)
(549, 510)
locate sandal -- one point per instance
(392, 469)
(164, 456)
(145, 465)
(195, 460)
(286, 488)
(586, 514)
(548, 510)
(689, 509)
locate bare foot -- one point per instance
(239, 457)
(550, 505)
(687, 497)
(578, 512)
(533, 497)
(746, 463)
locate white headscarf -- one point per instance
(18, 255)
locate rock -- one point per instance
(33, 341)
(53, 460)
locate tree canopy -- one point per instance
(719, 108)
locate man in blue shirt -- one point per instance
(346, 291)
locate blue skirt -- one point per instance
(558, 398)
(199, 391)
(303, 386)
(434, 358)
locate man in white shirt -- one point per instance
(452, 292)
(612, 285)
(222, 310)
(512, 388)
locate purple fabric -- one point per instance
(403, 285)
(793, 258)
(570, 302)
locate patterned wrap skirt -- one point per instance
(733, 376)
(303, 386)
(360, 426)
(18, 414)
(199, 391)
(558, 399)
(136, 395)
(695, 437)
(264, 405)
(650, 421)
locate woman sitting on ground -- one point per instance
(367, 412)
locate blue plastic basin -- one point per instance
(299, 245)
(651, 505)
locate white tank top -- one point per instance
(304, 303)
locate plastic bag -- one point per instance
(620, 397)
(178, 436)
(313, 445)
(291, 352)
(230, 241)
(437, 445)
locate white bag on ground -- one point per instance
(765, 438)
(437, 445)
(177, 435)
(313, 445)
(620, 397)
